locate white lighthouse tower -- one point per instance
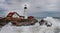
(25, 11)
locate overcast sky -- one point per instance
(34, 6)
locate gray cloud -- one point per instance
(34, 6)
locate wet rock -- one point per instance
(48, 24)
(42, 22)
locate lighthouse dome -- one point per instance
(25, 7)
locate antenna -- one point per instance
(25, 5)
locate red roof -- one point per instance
(11, 14)
(31, 17)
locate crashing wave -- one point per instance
(33, 29)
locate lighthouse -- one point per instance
(25, 11)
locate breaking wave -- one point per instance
(55, 28)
